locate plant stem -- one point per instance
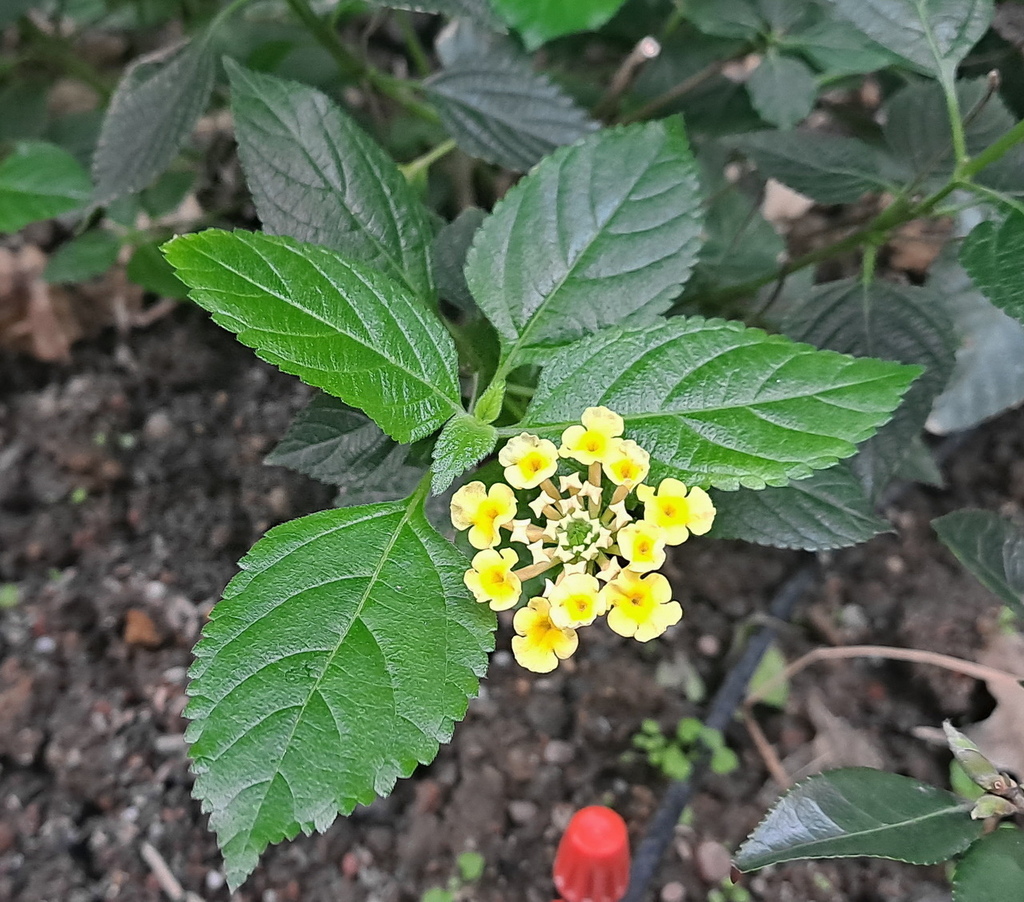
(224, 15)
(674, 93)
(996, 196)
(956, 123)
(414, 167)
(413, 45)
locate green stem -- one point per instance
(956, 123)
(414, 167)
(993, 152)
(224, 15)
(413, 45)
(684, 87)
(519, 391)
(997, 196)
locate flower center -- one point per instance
(580, 537)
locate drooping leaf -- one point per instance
(153, 111)
(463, 442)
(340, 445)
(934, 35)
(992, 868)
(83, 258)
(499, 109)
(859, 811)
(824, 511)
(37, 181)
(991, 547)
(831, 169)
(340, 326)
(340, 656)
(992, 255)
(892, 322)
(595, 233)
(782, 90)
(318, 177)
(150, 269)
(718, 404)
(539, 21)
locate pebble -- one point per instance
(557, 751)
(521, 811)
(159, 426)
(673, 892)
(46, 645)
(713, 861)
(139, 629)
(709, 646)
(214, 880)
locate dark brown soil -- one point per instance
(131, 481)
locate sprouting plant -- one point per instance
(470, 868)
(728, 891)
(675, 754)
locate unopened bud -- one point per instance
(992, 806)
(975, 764)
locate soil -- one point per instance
(131, 480)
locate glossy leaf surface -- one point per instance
(992, 869)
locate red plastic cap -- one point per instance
(592, 863)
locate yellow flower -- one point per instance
(482, 511)
(676, 510)
(540, 644)
(627, 463)
(491, 578)
(576, 600)
(643, 545)
(528, 460)
(641, 606)
(591, 442)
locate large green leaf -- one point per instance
(934, 35)
(719, 404)
(340, 326)
(499, 109)
(992, 870)
(83, 257)
(992, 255)
(340, 445)
(839, 49)
(824, 511)
(338, 659)
(991, 547)
(316, 176)
(782, 90)
(541, 20)
(463, 442)
(859, 811)
(37, 181)
(153, 111)
(596, 232)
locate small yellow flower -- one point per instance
(641, 606)
(491, 579)
(576, 600)
(528, 460)
(540, 644)
(677, 510)
(591, 442)
(627, 463)
(643, 545)
(482, 511)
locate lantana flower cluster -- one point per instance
(598, 536)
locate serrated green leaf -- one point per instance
(992, 255)
(839, 49)
(340, 445)
(718, 404)
(992, 870)
(318, 177)
(463, 442)
(150, 269)
(340, 656)
(782, 89)
(831, 169)
(991, 548)
(340, 326)
(859, 811)
(891, 322)
(153, 111)
(538, 21)
(82, 258)
(934, 35)
(824, 511)
(37, 181)
(499, 109)
(595, 233)
(451, 245)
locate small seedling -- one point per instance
(470, 867)
(675, 756)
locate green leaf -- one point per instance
(318, 177)
(595, 233)
(539, 21)
(831, 169)
(770, 669)
(38, 181)
(891, 322)
(149, 268)
(859, 811)
(782, 89)
(463, 442)
(89, 255)
(992, 870)
(156, 105)
(340, 656)
(451, 245)
(340, 445)
(12, 9)
(991, 547)
(726, 18)
(934, 35)
(499, 109)
(824, 511)
(478, 11)
(340, 326)
(719, 404)
(992, 255)
(839, 49)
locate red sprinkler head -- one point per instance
(592, 863)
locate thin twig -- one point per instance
(646, 48)
(765, 749)
(163, 876)
(684, 87)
